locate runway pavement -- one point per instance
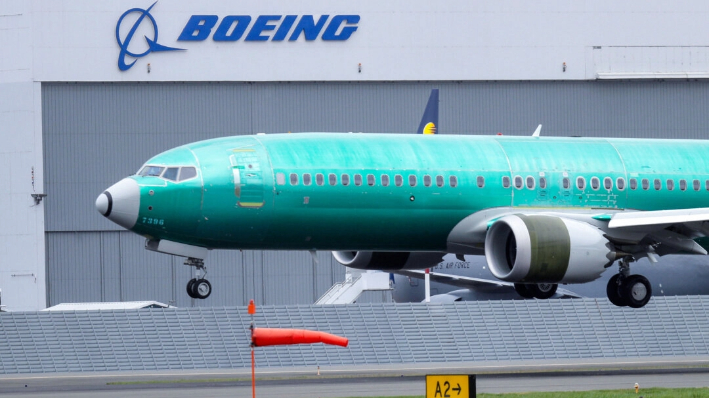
(391, 380)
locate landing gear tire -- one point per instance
(543, 291)
(190, 284)
(613, 291)
(636, 291)
(201, 289)
(523, 290)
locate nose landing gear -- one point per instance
(623, 289)
(198, 288)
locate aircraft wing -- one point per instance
(473, 283)
(659, 217)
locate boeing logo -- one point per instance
(232, 28)
(153, 46)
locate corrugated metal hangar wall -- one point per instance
(97, 133)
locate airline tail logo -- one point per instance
(429, 121)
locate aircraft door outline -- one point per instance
(248, 180)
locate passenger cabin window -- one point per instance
(453, 181)
(427, 180)
(706, 184)
(280, 179)
(398, 180)
(581, 183)
(439, 181)
(319, 179)
(697, 185)
(670, 185)
(370, 180)
(481, 181)
(530, 182)
(151, 171)
(358, 179)
(171, 173)
(682, 185)
(595, 183)
(608, 183)
(518, 182)
(187, 173)
(505, 182)
(646, 184)
(620, 183)
(293, 179)
(385, 180)
(657, 184)
(332, 179)
(543, 182)
(565, 183)
(345, 178)
(307, 179)
(412, 180)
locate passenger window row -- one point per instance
(669, 184)
(530, 183)
(370, 180)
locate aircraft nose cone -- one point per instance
(120, 203)
(102, 204)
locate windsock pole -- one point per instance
(427, 285)
(252, 311)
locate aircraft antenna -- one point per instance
(537, 131)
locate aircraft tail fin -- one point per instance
(429, 121)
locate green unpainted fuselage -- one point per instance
(243, 197)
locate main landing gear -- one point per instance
(628, 290)
(198, 288)
(540, 291)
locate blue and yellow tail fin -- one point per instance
(429, 121)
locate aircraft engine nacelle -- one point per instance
(548, 249)
(387, 261)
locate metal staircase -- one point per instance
(356, 282)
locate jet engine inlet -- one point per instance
(545, 249)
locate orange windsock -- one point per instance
(264, 337)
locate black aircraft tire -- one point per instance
(190, 285)
(613, 292)
(543, 291)
(201, 289)
(523, 290)
(636, 291)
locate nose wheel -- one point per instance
(198, 288)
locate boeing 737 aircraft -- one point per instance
(542, 210)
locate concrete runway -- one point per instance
(360, 382)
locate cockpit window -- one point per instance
(175, 173)
(153, 171)
(187, 173)
(171, 173)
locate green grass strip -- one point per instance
(626, 393)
